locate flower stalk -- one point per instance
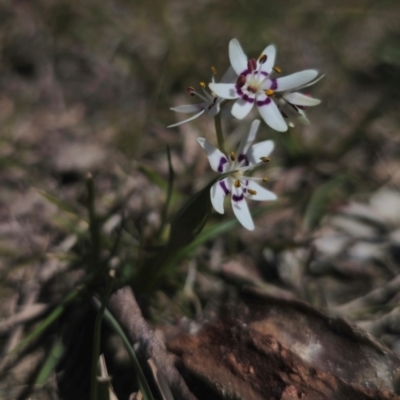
(220, 135)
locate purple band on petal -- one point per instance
(264, 102)
(247, 98)
(274, 84)
(264, 73)
(224, 188)
(222, 162)
(244, 96)
(243, 157)
(237, 198)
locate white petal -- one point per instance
(218, 193)
(217, 159)
(258, 150)
(186, 120)
(270, 52)
(311, 83)
(230, 76)
(237, 57)
(241, 108)
(249, 138)
(302, 118)
(262, 193)
(241, 209)
(272, 115)
(293, 114)
(224, 90)
(300, 99)
(295, 80)
(189, 108)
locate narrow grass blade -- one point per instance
(54, 315)
(144, 386)
(60, 204)
(171, 177)
(208, 234)
(49, 365)
(159, 181)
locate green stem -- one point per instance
(220, 136)
(164, 212)
(93, 224)
(97, 337)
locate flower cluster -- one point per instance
(249, 83)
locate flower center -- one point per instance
(237, 175)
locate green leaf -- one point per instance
(210, 233)
(155, 178)
(190, 219)
(52, 359)
(54, 315)
(60, 204)
(143, 384)
(321, 199)
(187, 224)
(171, 177)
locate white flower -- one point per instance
(240, 186)
(211, 104)
(292, 105)
(254, 85)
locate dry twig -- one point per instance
(376, 297)
(123, 306)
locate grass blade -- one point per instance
(56, 352)
(109, 318)
(54, 315)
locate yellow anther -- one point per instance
(277, 69)
(269, 92)
(233, 156)
(265, 179)
(264, 159)
(237, 183)
(202, 84)
(252, 192)
(214, 70)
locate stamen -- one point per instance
(265, 159)
(212, 104)
(202, 84)
(190, 90)
(233, 156)
(269, 92)
(252, 89)
(262, 59)
(277, 69)
(241, 81)
(252, 192)
(252, 64)
(265, 179)
(214, 70)
(237, 183)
